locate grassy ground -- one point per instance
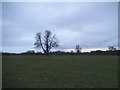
(60, 71)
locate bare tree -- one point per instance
(111, 48)
(78, 49)
(46, 41)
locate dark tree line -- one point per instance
(97, 52)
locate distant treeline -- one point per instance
(98, 52)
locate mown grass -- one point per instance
(60, 71)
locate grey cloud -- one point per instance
(92, 25)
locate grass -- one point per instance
(60, 71)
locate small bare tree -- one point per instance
(111, 48)
(78, 49)
(46, 41)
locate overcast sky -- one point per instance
(91, 25)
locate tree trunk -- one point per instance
(46, 53)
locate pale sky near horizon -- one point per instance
(91, 25)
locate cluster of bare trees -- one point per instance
(46, 41)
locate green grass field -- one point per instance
(60, 71)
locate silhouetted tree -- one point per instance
(111, 48)
(46, 41)
(78, 49)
